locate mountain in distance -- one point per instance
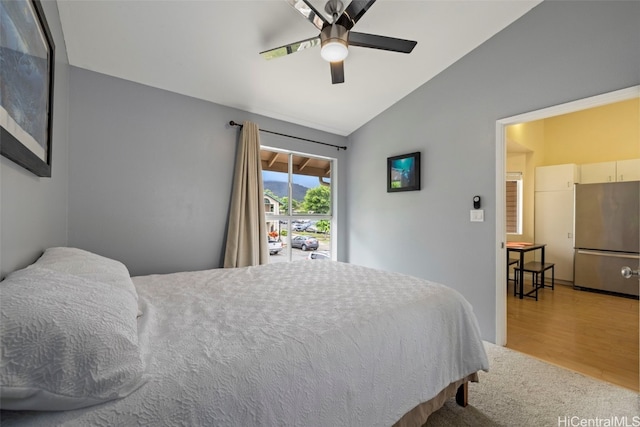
(281, 189)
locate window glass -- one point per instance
(278, 231)
(298, 205)
(514, 203)
(311, 187)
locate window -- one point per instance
(269, 205)
(514, 202)
(298, 197)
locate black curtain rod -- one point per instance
(339, 147)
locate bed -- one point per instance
(307, 343)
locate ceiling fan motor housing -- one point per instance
(334, 8)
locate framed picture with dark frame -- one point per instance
(403, 172)
(26, 73)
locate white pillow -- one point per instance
(67, 341)
(88, 265)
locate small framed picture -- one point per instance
(403, 172)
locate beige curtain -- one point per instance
(247, 233)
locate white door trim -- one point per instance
(569, 107)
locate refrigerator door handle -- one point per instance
(609, 254)
(627, 272)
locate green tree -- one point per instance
(317, 200)
(323, 226)
(284, 205)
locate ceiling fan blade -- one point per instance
(308, 11)
(290, 48)
(354, 12)
(337, 72)
(381, 42)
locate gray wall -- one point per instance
(33, 210)
(559, 52)
(151, 171)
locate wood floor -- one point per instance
(591, 333)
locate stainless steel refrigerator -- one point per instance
(607, 236)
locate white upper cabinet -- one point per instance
(622, 170)
(628, 170)
(591, 173)
(557, 177)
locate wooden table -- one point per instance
(522, 248)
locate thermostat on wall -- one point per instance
(476, 202)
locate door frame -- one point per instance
(501, 124)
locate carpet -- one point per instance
(520, 390)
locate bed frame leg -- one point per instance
(462, 395)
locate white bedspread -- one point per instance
(308, 343)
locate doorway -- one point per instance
(595, 101)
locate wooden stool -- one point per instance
(535, 268)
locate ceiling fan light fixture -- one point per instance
(335, 26)
(333, 39)
(334, 51)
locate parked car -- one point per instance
(275, 246)
(304, 243)
(319, 255)
(300, 226)
(311, 227)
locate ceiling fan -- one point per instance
(336, 35)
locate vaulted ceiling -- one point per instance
(209, 50)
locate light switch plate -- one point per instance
(477, 215)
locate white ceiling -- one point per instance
(209, 50)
